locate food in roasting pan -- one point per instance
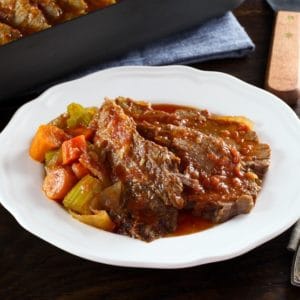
(22, 17)
(8, 34)
(147, 171)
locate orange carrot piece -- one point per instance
(58, 182)
(79, 170)
(47, 137)
(73, 148)
(87, 132)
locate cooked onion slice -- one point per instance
(100, 220)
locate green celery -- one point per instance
(53, 158)
(81, 195)
(79, 116)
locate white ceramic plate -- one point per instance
(277, 208)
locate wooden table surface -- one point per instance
(33, 269)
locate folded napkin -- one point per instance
(218, 38)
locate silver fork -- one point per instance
(294, 243)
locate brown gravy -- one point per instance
(188, 223)
(169, 108)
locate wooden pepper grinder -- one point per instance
(283, 77)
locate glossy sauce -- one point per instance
(169, 108)
(188, 223)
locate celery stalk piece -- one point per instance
(79, 116)
(53, 158)
(81, 195)
(49, 156)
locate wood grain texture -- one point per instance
(284, 65)
(33, 269)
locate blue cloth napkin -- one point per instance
(221, 37)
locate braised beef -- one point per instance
(224, 155)
(151, 186)
(156, 162)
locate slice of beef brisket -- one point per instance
(228, 188)
(143, 111)
(192, 133)
(151, 187)
(232, 130)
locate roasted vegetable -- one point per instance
(79, 116)
(47, 137)
(72, 149)
(100, 220)
(79, 170)
(100, 3)
(109, 198)
(81, 195)
(58, 183)
(8, 34)
(87, 132)
(22, 15)
(53, 158)
(72, 8)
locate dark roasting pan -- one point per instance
(37, 61)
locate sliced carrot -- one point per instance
(87, 132)
(58, 182)
(73, 148)
(47, 137)
(79, 170)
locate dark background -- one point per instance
(33, 269)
